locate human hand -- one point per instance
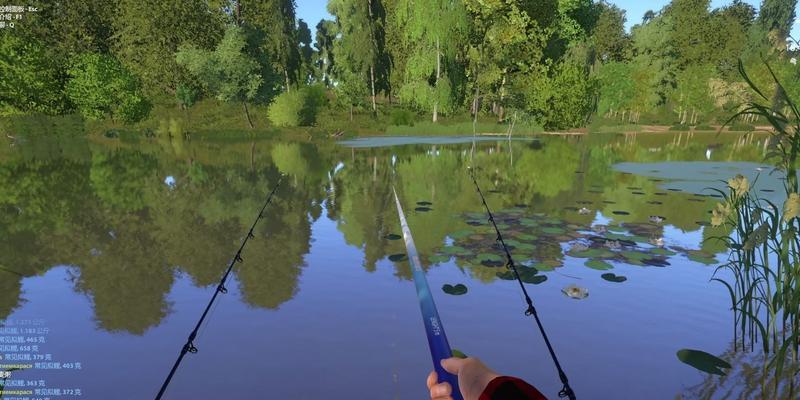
(473, 377)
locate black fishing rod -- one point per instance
(189, 347)
(566, 390)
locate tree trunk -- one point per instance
(247, 113)
(351, 113)
(436, 83)
(372, 80)
(500, 108)
(286, 76)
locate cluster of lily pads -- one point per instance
(541, 243)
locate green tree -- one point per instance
(655, 60)
(324, 60)
(275, 19)
(99, 85)
(507, 42)
(435, 32)
(30, 78)
(777, 17)
(616, 88)
(230, 72)
(149, 32)
(306, 52)
(692, 94)
(611, 43)
(561, 96)
(297, 108)
(360, 52)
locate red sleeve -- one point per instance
(510, 388)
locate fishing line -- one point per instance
(189, 347)
(566, 390)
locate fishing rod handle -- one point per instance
(444, 376)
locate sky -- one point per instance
(312, 11)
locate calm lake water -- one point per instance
(116, 247)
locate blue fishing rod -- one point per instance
(437, 339)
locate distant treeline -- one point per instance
(556, 62)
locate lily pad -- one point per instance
(398, 257)
(455, 250)
(635, 255)
(620, 212)
(424, 203)
(423, 209)
(662, 252)
(456, 290)
(490, 257)
(701, 257)
(529, 222)
(598, 265)
(703, 361)
(392, 236)
(553, 230)
(475, 223)
(437, 259)
(613, 278)
(592, 253)
(544, 267)
(460, 234)
(655, 262)
(526, 236)
(575, 292)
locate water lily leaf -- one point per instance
(592, 253)
(455, 250)
(475, 223)
(701, 257)
(398, 257)
(553, 230)
(460, 234)
(526, 236)
(620, 212)
(613, 278)
(423, 209)
(533, 279)
(598, 265)
(456, 290)
(437, 259)
(489, 256)
(544, 267)
(529, 222)
(492, 264)
(392, 236)
(703, 361)
(424, 203)
(662, 252)
(655, 262)
(635, 255)
(506, 275)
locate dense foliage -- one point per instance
(557, 62)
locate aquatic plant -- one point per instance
(764, 261)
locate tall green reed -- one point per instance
(764, 261)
